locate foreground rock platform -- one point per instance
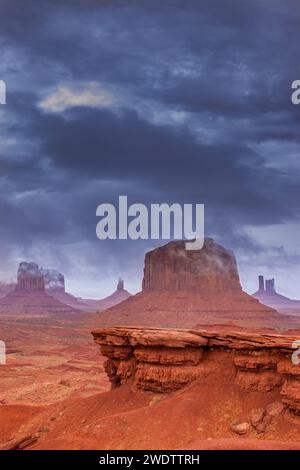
(165, 360)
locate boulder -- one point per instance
(275, 409)
(257, 416)
(240, 428)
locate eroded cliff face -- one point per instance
(30, 278)
(168, 360)
(211, 270)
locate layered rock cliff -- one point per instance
(30, 278)
(164, 360)
(211, 270)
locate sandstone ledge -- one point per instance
(165, 360)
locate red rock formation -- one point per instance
(182, 289)
(5, 288)
(171, 267)
(156, 340)
(118, 296)
(167, 360)
(120, 285)
(55, 286)
(29, 296)
(30, 278)
(115, 298)
(268, 295)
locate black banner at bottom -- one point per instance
(137, 459)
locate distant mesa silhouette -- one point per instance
(33, 279)
(268, 295)
(29, 296)
(118, 296)
(55, 286)
(54, 280)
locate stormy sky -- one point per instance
(163, 101)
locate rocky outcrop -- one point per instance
(268, 295)
(29, 296)
(210, 270)
(168, 360)
(20, 443)
(54, 280)
(192, 323)
(115, 298)
(30, 278)
(120, 285)
(55, 286)
(182, 289)
(118, 296)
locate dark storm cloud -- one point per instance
(102, 145)
(87, 148)
(225, 67)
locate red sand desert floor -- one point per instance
(54, 387)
